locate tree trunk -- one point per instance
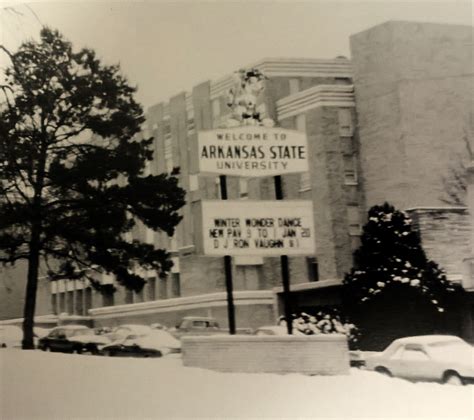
(31, 288)
(35, 247)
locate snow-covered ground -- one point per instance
(34, 384)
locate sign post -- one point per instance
(228, 269)
(285, 268)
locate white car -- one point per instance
(275, 330)
(442, 358)
(140, 341)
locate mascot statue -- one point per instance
(242, 100)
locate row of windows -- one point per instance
(78, 302)
(155, 289)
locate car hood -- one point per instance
(159, 339)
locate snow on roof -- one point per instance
(426, 339)
(136, 328)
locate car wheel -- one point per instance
(452, 378)
(383, 371)
(109, 353)
(46, 348)
(77, 351)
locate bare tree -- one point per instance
(455, 181)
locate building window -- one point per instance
(355, 243)
(243, 188)
(168, 148)
(175, 285)
(70, 302)
(163, 289)
(353, 218)
(313, 269)
(62, 302)
(80, 302)
(294, 86)
(87, 300)
(139, 296)
(305, 177)
(151, 283)
(128, 296)
(347, 145)
(54, 303)
(305, 181)
(107, 298)
(355, 229)
(191, 126)
(350, 170)
(346, 128)
(193, 183)
(168, 155)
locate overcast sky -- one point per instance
(168, 47)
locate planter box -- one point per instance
(312, 354)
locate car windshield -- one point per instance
(455, 350)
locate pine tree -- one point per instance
(391, 258)
(394, 290)
(73, 171)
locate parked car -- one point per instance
(275, 330)
(442, 358)
(125, 330)
(202, 325)
(141, 341)
(72, 339)
(10, 336)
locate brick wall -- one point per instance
(333, 250)
(413, 88)
(470, 202)
(311, 355)
(444, 236)
(13, 289)
(468, 272)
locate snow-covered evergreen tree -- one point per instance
(391, 260)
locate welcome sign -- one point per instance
(260, 228)
(252, 151)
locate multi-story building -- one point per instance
(313, 96)
(390, 124)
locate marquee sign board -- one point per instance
(259, 228)
(252, 151)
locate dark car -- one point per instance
(72, 339)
